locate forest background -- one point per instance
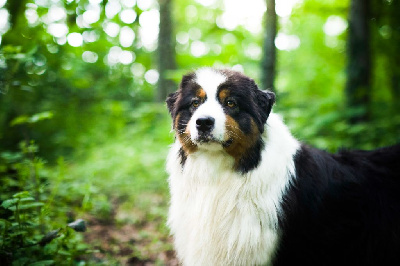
(84, 130)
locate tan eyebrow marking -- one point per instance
(223, 94)
(201, 93)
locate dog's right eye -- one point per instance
(195, 103)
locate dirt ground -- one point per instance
(142, 242)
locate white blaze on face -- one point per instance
(209, 80)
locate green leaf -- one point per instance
(19, 56)
(9, 203)
(65, 253)
(42, 262)
(23, 119)
(26, 199)
(11, 49)
(22, 194)
(40, 116)
(18, 233)
(29, 206)
(11, 157)
(19, 120)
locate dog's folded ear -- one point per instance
(265, 100)
(171, 99)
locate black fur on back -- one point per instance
(342, 209)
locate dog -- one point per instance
(244, 191)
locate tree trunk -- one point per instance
(393, 54)
(17, 20)
(166, 51)
(269, 56)
(358, 86)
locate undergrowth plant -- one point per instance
(33, 229)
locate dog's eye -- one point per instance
(230, 103)
(195, 103)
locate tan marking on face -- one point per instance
(184, 138)
(176, 122)
(201, 93)
(223, 94)
(241, 143)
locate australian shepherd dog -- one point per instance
(244, 191)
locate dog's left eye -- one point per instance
(230, 103)
(195, 103)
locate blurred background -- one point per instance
(84, 130)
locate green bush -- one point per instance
(30, 229)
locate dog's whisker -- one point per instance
(232, 126)
(234, 134)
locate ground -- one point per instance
(132, 236)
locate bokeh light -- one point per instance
(151, 76)
(75, 39)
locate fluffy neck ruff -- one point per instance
(219, 216)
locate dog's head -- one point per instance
(221, 110)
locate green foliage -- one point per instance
(127, 159)
(27, 234)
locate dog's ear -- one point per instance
(265, 100)
(171, 99)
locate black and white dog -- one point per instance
(244, 191)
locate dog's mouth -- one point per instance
(206, 138)
(210, 139)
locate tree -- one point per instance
(166, 51)
(388, 41)
(358, 85)
(269, 57)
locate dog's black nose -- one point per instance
(205, 124)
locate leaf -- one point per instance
(22, 194)
(19, 120)
(49, 237)
(40, 116)
(26, 199)
(18, 233)
(65, 253)
(23, 119)
(9, 203)
(30, 205)
(78, 225)
(18, 56)
(12, 49)
(11, 157)
(42, 262)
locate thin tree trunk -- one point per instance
(394, 56)
(269, 57)
(16, 10)
(358, 86)
(166, 51)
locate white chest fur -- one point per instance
(220, 217)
